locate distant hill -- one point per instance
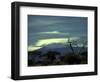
(57, 52)
(61, 48)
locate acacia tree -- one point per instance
(76, 43)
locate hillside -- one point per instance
(57, 52)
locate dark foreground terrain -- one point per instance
(53, 57)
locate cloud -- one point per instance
(32, 48)
(49, 29)
(43, 42)
(54, 32)
(54, 40)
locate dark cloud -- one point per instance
(74, 26)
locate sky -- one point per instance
(44, 30)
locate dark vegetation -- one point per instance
(54, 58)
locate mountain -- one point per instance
(61, 48)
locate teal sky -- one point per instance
(55, 29)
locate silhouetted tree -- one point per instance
(70, 45)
